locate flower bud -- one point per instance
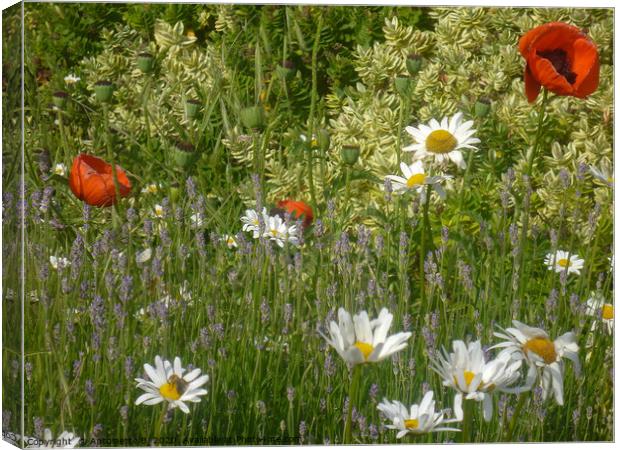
(414, 64)
(323, 139)
(402, 85)
(286, 70)
(253, 117)
(191, 108)
(104, 91)
(60, 99)
(145, 62)
(184, 154)
(482, 107)
(350, 154)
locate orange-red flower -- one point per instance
(560, 58)
(92, 181)
(297, 209)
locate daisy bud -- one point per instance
(253, 117)
(60, 99)
(191, 108)
(482, 107)
(414, 64)
(350, 154)
(145, 62)
(104, 91)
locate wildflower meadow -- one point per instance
(302, 224)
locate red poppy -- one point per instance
(297, 209)
(560, 58)
(92, 181)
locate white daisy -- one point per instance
(597, 306)
(158, 211)
(196, 220)
(605, 174)
(144, 256)
(277, 230)
(59, 263)
(362, 340)
(60, 169)
(230, 241)
(419, 419)
(444, 140)
(152, 188)
(562, 261)
(415, 179)
(167, 383)
(543, 355)
(466, 371)
(71, 79)
(252, 221)
(64, 440)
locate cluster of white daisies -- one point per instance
(274, 228)
(359, 340)
(441, 141)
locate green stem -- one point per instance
(313, 97)
(515, 415)
(525, 216)
(117, 191)
(353, 388)
(467, 420)
(160, 421)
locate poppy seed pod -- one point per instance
(560, 58)
(191, 108)
(92, 181)
(350, 154)
(104, 91)
(145, 62)
(60, 99)
(253, 117)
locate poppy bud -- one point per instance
(92, 181)
(60, 99)
(191, 108)
(184, 154)
(402, 85)
(323, 139)
(482, 107)
(253, 117)
(350, 154)
(286, 70)
(414, 64)
(145, 62)
(103, 91)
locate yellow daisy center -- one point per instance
(230, 241)
(365, 348)
(170, 391)
(564, 262)
(543, 347)
(412, 424)
(274, 232)
(440, 141)
(608, 311)
(416, 180)
(610, 179)
(468, 375)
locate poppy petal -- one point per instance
(586, 66)
(546, 75)
(556, 35)
(532, 87)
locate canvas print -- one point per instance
(300, 224)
